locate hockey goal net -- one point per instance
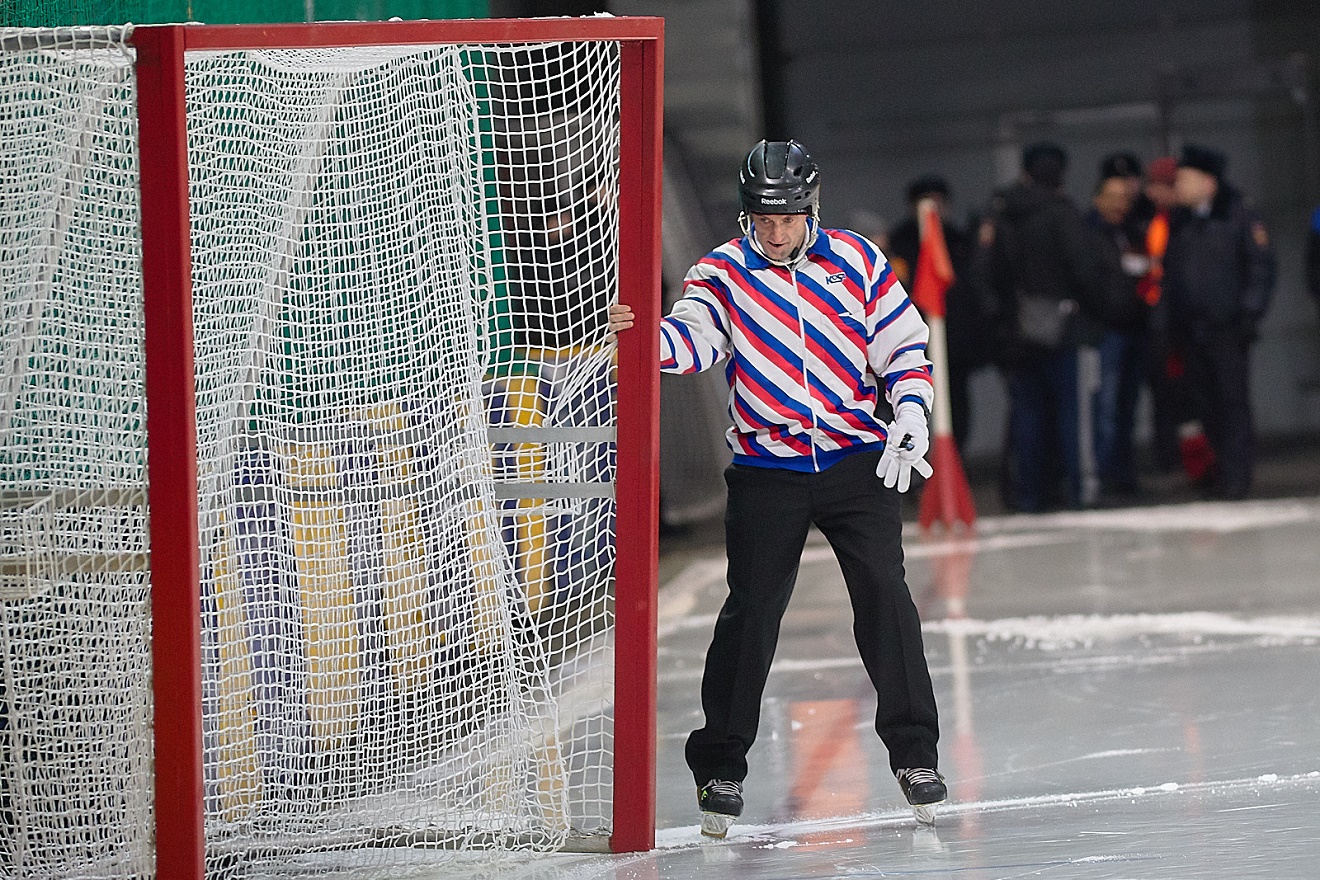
(326, 499)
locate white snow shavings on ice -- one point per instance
(1068, 631)
(1210, 516)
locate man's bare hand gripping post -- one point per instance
(621, 318)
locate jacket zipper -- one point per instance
(806, 375)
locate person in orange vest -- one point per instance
(1162, 198)
(1163, 368)
(1179, 438)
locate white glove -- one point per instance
(905, 451)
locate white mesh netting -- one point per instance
(75, 714)
(402, 259)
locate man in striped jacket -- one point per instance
(819, 341)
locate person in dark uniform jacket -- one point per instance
(1219, 275)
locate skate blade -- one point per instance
(925, 813)
(716, 824)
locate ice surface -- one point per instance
(1123, 694)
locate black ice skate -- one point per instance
(721, 802)
(923, 789)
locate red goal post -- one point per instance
(627, 456)
(180, 835)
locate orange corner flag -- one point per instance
(934, 272)
(947, 496)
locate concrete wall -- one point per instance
(883, 91)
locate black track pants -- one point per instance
(769, 513)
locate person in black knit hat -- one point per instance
(1042, 275)
(969, 345)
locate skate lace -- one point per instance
(920, 776)
(724, 787)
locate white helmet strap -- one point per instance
(795, 258)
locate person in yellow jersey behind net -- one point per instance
(820, 344)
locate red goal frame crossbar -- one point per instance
(171, 405)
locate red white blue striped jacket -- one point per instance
(809, 349)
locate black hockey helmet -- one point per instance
(779, 177)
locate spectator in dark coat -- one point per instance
(1041, 266)
(1218, 278)
(1123, 343)
(968, 345)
